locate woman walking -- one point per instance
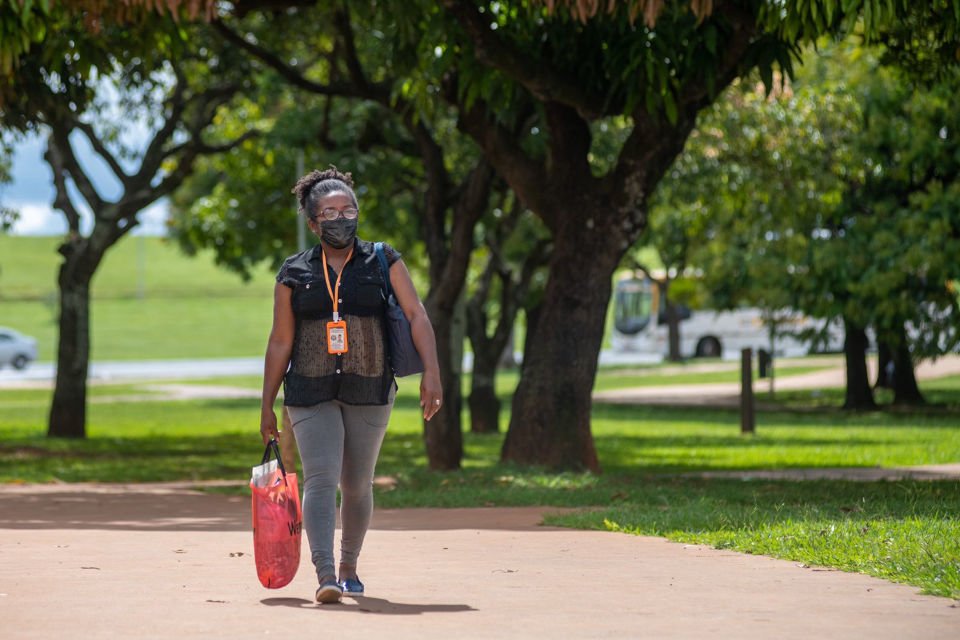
(328, 347)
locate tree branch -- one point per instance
(61, 138)
(502, 149)
(468, 209)
(62, 201)
(743, 25)
(436, 198)
(102, 151)
(569, 144)
(153, 156)
(243, 7)
(653, 144)
(341, 19)
(287, 72)
(547, 84)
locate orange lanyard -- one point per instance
(334, 292)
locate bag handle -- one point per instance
(384, 267)
(274, 446)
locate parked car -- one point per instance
(16, 349)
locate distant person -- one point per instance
(328, 347)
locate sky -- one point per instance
(32, 192)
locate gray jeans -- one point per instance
(339, 444)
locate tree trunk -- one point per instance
(884, 366)
(68, 411)
(859, 395)
(673, 324)
(550, 420)
(484, 404)
(905, 389)
(162, 168)
(532, 315)
(508, 359)
(483, 401)
(443, 435)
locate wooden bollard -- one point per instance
(747, 422)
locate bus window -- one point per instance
(633, 304)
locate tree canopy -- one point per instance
(832, 195)
(531, 84)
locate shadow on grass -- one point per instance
(217, 439)
(895, 415)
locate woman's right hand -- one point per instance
(268, 426)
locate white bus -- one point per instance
(640, 326)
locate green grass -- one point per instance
(940, 396)
(28, 270)
(902, 531)
(151, 302)
(189, 307)
(905, 531)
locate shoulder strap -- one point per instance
(384, 267)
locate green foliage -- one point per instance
(800, 20)
(621, 63)
(240, 204)
(835, 198)
(923, 42)
(62, 53)
(21, 24)
(772, 159)
(7, 215)
(904, 214)
(634, 443)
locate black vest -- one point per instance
(362, 375)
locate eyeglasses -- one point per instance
(332, 214)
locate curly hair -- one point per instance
(316, 184)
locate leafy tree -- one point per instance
(902, 217)
(819, 206)
(239, 203)
(70, 96)
(422, 181)
(527, 83)
(576, 68)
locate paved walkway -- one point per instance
(164, 561)
(860, 474)
(728, 393)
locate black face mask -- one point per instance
(338, 233)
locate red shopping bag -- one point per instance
(277, 520)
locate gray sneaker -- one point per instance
(329, 592)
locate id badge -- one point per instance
(337, 337)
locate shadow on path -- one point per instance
(366, 604)
(174, 507)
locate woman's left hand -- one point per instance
(431, 394)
